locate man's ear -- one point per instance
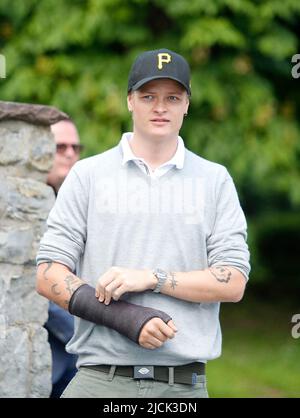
(129, 102)
(187, 105)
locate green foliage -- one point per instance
(208, 31)
(274, 247)
(260, 357)
(244, 110)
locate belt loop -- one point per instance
(111, 373)
(171, 376)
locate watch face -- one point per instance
(160, 273)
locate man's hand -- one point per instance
(155, 332)
(118, 280)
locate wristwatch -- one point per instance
(161, 276)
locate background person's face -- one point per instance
(64, 133)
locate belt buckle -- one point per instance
(143, 372)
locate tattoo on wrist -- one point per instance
(72, 283)
(173, 282)
(221, 273)
(49, 265)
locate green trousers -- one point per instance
(89, 383)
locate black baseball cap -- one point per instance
(159, 63)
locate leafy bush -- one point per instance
(275, 251)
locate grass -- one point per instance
(260, 357)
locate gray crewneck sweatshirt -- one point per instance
(108, 215)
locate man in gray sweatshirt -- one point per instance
(158, 238)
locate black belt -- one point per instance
(186, 374)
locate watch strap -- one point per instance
(161, 276)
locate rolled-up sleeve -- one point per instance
(64, 239)
(227, 243)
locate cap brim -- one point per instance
(146, 80)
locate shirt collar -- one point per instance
(128, 155)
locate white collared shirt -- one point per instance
(176, 161)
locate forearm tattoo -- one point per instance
(221, 273)
(49, 264)
(54, 291)
(173, 282)
(72, 283)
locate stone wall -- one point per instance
(26, 155)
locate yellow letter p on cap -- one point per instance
(163, 58)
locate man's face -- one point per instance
(67, 152)
(158, 108)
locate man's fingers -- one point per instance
(117, 293)
(158, 325)
(104, 281)
(152, 341)
(158, 329)
(168, 330)
(159, 335)
(110, 289)
(172, 325)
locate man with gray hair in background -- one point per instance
(60, 323)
